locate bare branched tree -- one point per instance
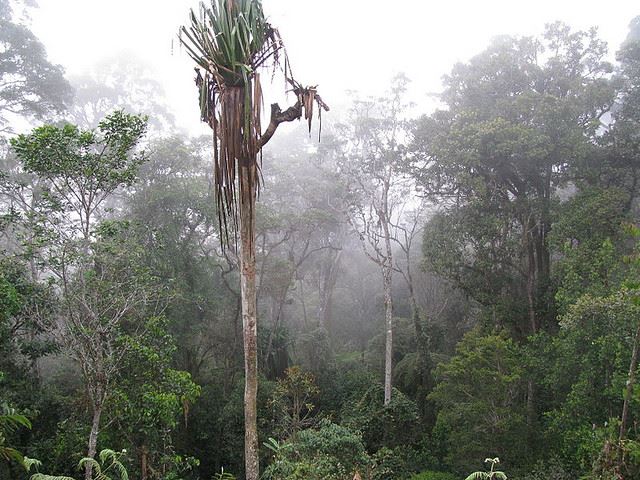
(372, 163)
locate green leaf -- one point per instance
(477, 476)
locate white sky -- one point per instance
(339, 44)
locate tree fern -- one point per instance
(491, 474)
(8, 453)
(109, 464)
(102, 470)
(30, 463)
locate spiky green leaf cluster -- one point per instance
(230, 39)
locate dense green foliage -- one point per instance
(431, 475)
(478, 395)
(330, 451)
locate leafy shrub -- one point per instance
(551, 469)
(402, 462)
(431, 475)
(346, 380)
(292, 401)
(389, 464)
(331, 452)
(382, 425)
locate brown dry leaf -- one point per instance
(309, 97)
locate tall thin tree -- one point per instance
(230, 40)
(372, 166)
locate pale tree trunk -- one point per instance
(93, 439)
(388, 321)
(387, 278)
(248, 185)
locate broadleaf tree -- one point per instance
(95, 267)
(30, 85)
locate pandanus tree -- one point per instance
(230, 42)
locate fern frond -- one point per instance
(42, 476)
(272, 444)
(122, 471)
(478, 476)
(107, 454)
(90, 461)
(11, 422)
(31, 462)
(9, 454)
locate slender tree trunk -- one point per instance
(531, 403)
(93, 439)
(388, 321)
(387, 275)
(327, 287)
(533, 324)
(630, 384)
(144, 463)
(531, 288)
(387, 279)
(303, 303)
(421, 336)
(248, 186)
